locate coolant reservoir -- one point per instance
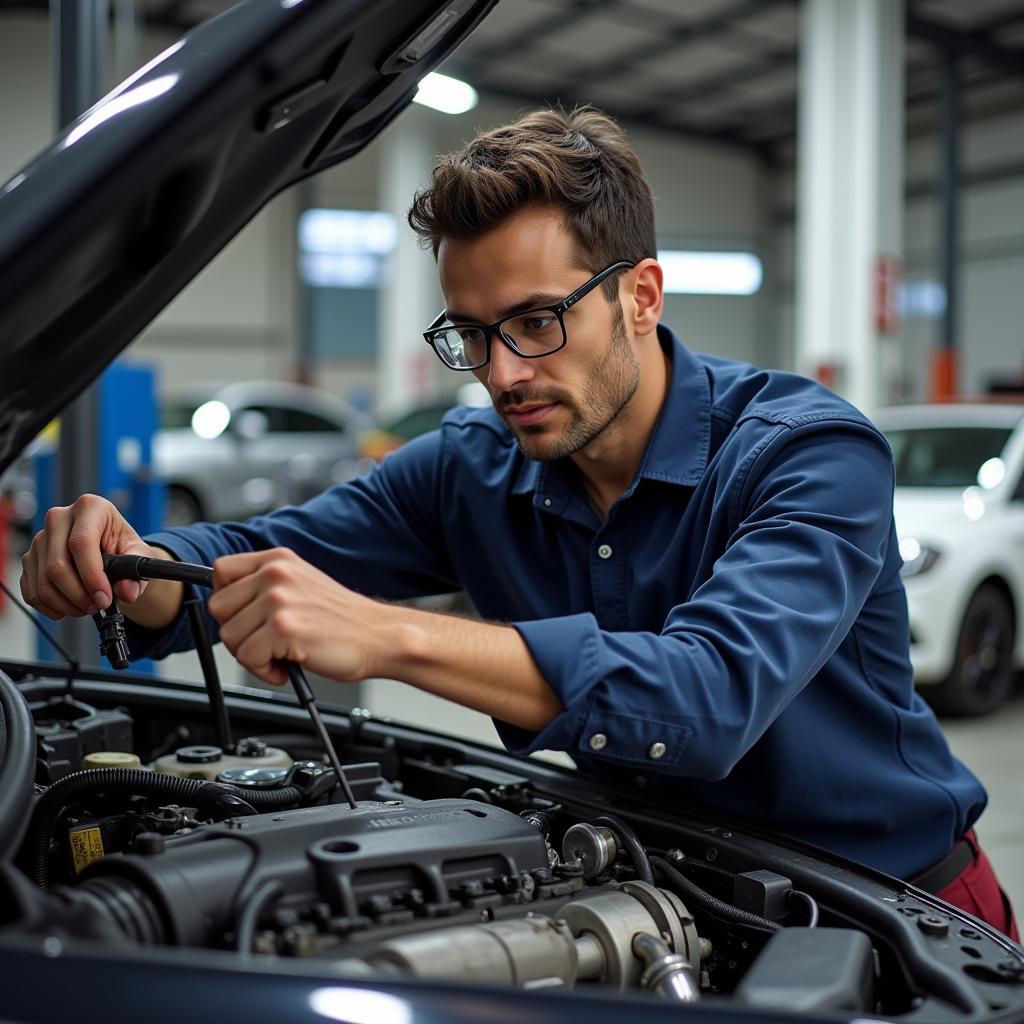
(207, 762)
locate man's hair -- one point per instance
(578, 161)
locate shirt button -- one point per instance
(598, 741)
(656, 750)
(547, 503)
(604, 551)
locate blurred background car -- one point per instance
(394, 432)
(243, 449)
(959, 509)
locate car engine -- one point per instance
(455, 864)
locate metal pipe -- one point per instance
(668, 974)
(949, 257)
(78, 45)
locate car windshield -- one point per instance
(944, 456)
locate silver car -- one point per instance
(245, 448)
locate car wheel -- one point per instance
(182, 507)
(982, 675)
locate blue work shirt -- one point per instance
(734, 635)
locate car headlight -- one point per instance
(917, 557)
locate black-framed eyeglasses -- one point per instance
(531, 334)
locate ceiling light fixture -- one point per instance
(449, 95)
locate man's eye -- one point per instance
(536, 324)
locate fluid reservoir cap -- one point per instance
(198, 755)
(250, 746)
(111, 759)
(253, 778)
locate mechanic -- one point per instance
(689, 564)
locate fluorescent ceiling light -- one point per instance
(710, 273)
(448, 95)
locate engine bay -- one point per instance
(457, 863)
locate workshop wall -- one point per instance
(992, 259)
(992, 252)
(25, 74)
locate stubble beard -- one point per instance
(613, 384)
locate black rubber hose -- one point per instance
(693, 893)
(629, 839)
(199, 792)
(17, 765)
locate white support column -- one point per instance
(411, 298)
(850, 194)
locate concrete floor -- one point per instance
(992, 747)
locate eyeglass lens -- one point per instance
(534, 333)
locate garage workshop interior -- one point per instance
(553, 526)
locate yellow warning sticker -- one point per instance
(86, 846)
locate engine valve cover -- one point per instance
(415, 858)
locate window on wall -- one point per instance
(922, 299)
(701, 272)
(344, 259)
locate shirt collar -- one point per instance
(677, 452)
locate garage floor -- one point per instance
(992, 747)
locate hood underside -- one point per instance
(136, 196)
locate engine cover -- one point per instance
(384, 861)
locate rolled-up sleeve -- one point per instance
(813, 513)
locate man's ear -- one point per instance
(646, 298)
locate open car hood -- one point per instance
(135, 197)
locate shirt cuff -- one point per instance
(582, 664)
(566, 652)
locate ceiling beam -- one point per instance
(668, 41)
(569, 97)
(974, 43)
(770, 60)
(540, 28)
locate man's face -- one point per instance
(558, 404)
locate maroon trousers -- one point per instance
(976, 890)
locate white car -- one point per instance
(959, 510)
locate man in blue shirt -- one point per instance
(689, 565)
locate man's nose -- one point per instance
(507, 368)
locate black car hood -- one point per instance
(107, 225)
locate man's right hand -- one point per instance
(62, 571)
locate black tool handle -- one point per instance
(139, 567)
